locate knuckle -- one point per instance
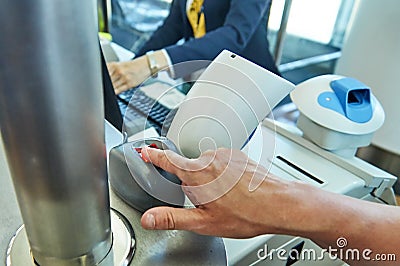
(190, 165)
(116, 69)
(119, 72)
(123, 78)
(169, 221)
(163, 161)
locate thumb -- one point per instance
(168, 218)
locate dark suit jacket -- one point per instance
(236, 25)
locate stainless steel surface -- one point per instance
(10, 217)
(104, 14)
(152, 247)
(55, 142)
(124, 242)
(282, 32)
(51, 117)
(123, 249)
(171, 247)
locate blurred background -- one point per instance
(310, 40)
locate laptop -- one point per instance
(140, 108)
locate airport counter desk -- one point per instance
(152, 247)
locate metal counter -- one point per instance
(152, 247)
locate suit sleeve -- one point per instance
(169, 33)
(241, 21)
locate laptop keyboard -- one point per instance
(141, 111)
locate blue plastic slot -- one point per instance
(351, 98)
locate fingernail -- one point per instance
(150, 221)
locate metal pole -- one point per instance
(318, 59)
(51, 117)
(282, 32)
(104, 9)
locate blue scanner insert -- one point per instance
(350, 98)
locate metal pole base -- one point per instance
(121, 253)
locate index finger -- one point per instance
(169, 161)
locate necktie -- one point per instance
(196, 18)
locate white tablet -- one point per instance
(225, 105)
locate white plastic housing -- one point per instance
(225, 105)
(327, 128)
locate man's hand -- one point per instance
(218, 184)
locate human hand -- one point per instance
(126, 75)
(218, 184)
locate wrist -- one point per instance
(317, 214)
(156, 62)
(298, 213)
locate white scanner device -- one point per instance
(337, 113)
(224, 108)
